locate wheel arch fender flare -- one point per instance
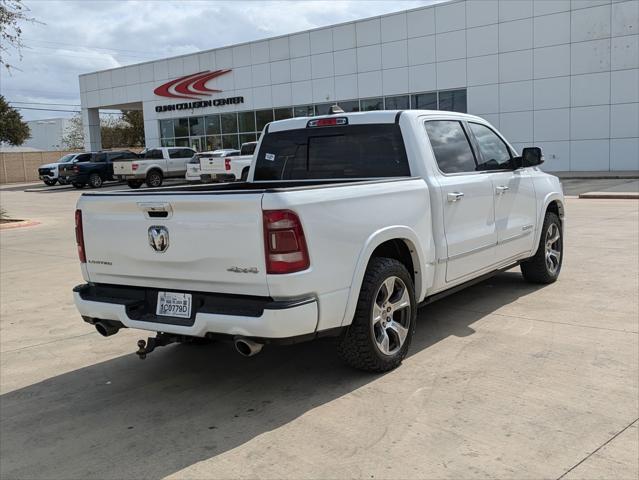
(397, 232)
(548, 199)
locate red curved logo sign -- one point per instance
(186, 87)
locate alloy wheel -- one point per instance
(391, 315)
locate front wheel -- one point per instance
(50, 181)
(545, 265)
(154, 179)
(384, 322)
(95, 180)
(134, 183)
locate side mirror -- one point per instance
(532, 156)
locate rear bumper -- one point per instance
(217, 177)
(256, 317)
(137, 176)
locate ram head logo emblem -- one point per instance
(159, 238)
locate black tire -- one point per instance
(358, 346)
(62, 182)
(134, 184)
(245, 173)
(154, 179)
(78, 185)
(95, 180)
(539, 268)
(50, 182)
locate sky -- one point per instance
(74, 37)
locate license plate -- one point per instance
(172, 304)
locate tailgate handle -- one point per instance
(156, 209)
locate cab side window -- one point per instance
(85, 157)
(495, 154)
(153, 154)
(451, 146)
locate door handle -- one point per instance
(502, 189)
(455, 197)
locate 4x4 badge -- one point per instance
(159, 238)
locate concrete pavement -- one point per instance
(504, 380)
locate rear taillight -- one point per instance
(134, 166)
(227, 164)
(284, 243)
(76, 168)
(79, 236)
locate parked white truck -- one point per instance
(228, 167)
(153, 166)
(347, 224)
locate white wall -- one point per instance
(47, 134)
(561, 74)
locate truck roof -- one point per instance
(362, 118)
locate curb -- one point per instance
(18, 224)
(611, 195)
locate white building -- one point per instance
(47, 134)
(560, 74)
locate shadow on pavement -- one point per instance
(126, 418)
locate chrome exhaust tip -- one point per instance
(246, 347)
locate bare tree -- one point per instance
(12, 14)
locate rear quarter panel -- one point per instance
(342, 226)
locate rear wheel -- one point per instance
(384, 322)
(50, 181)
(154, 179)
(78, 185)
(134, 183)
(545, 265)
(95, 180)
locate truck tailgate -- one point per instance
(123, 168)
(215, 242)
(212, 165)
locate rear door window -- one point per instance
(153, 154)
(350, 151)
(451, 146)
(181, 153)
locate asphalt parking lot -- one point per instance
(504, 380)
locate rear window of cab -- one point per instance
(346, 151)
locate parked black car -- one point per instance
(95, 170)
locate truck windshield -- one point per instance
(350, 151)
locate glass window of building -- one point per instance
(424, 101)
(323, 108)
(166, 129)
(182, 142)
(181, 127)
(262, 117)
(303, 111)
(168, 142)
(230, 141)
(453, 101)
(212, 124)
(369, 104)
(283, 113)
(247, 137)
(229, 122)
(196, 126)
(396, 103)
(349, 105)
(246, 121)
(212, 142)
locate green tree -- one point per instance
(12, 13)
(12, 129)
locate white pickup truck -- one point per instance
(347, 224)
(153, 166)
(228, 168)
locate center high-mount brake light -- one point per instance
(284, 243)
(79, 236)
(227, 164)
(327, 122)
